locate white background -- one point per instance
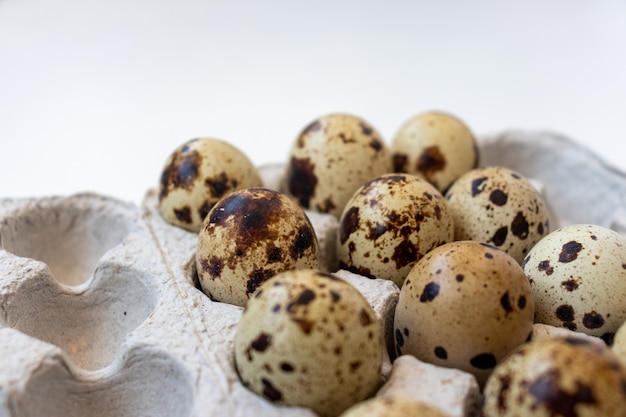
(95, 94)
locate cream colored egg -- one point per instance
(307, 338)
(619, 343)
(557, 376)
(578, 277)
(396, 406)
(464, 305)
(198, 174)
(498, 206)
(437, 146)
(390, 223)
(331, 158)
(249, 236)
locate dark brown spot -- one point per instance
(364, 318)
(593, 320)
(569, 252)
(478, 186)
(325, 206)
(257, 277)
(220, 185)
(270, 391)
(181, 172)
(430, 161)
(519, 226)
(301, 180)
(305, 298)
(483, 361)
(488, 255)
(274, 255)
(547, 390)
(349, 224)
(335, 295)
(305, 325)
(355, 365)
(262, 342)
(431, 290)
(459, 277)
(499, 237)
(287, 367)
(399, 162)
(183, 214)
(305, 239)
(405, 253)
(376, 144)
(441, 353)
(570, 285)
(540, 229)
(212, 266)
(399, 338)
(505, 385)
(505, 302)
(498, 197)
(565, 313)
(314, 126)
(544, 266)
(521, 302)
(365, 129)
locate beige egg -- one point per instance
(396, 406)
(249, 236)
(558, 376)
(437, 146)
(331, 158)
(390, 223)
(578, 277)
(464, 305)
(307, 338)
(198, 174)
(498, 206)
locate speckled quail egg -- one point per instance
(249, 236)
(309, 339)
(558, 376)
(464, 305)
(331, 158)
(198, 174)
(436, 146)
(396, 406)
(389, 224)
(498, 206)
(578, 277)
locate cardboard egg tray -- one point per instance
(101, 315)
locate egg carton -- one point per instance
(101, 312)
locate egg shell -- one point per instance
(557, 376)
(464, 305)
(436, 146)
(310, 339)
(578, 277)
(499, 206)
(392, 407)
(331, 158)
(619, 343)
(249, 236)
(390, 223)
(197, 175)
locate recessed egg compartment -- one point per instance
(101, 313)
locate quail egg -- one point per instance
(578, 277)
(464, 305)
(436, 146)
(307, 338)
(249, 236)
(396, 406)
(198, 174)
(389, 224)
(498, 206)
(619, 343)
(331, 158)
(558, 376)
